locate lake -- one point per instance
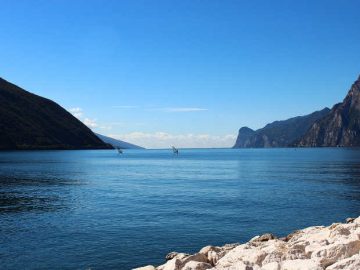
(101, 210)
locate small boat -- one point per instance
(119, 150)
(175, 150)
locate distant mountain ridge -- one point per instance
(341, 127)
(279, 133)
(118, 143)
(31, 122)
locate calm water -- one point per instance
(100, 210)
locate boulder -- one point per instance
(214, 254)
(171, 255)
(205, 250)
(290, 236)
(263, 238)
(181, 259)
(245, 253)
(213, 257)
(300, 265)
(357, 220)
(349, 220)
(339, 231)
(239, 265)
(197, 257)
(148, 267)
(332, 253)
(352, 263)
(314, 248)
(271, 266)
(173, 264)
(295, 252)
(193, 265)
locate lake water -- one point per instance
(101, 210)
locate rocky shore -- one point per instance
(315, 248)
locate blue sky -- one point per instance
(189, 73)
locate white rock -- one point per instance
(239, 265)
(271, 266)
(332, 253)
(213, 257)
(339, 231)
(148, 267)
(181, 259)
(315, 248)
(212, 253)
(254, 238)
(173, 264)
(295, 253)
(275, 251)
(205, 250)
(275, 256)
(245, 253)
(352, 263)
(357, 220)
(193, 265)
(300, 265)
(197, 257)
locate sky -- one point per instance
(188, 73)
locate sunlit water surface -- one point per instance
(101, 210)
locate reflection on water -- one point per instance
(96, 209)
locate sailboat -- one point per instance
(119, 150)
(175, 150)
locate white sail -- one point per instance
(175, 150)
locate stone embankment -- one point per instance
(315, 248)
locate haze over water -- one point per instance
(101, 210)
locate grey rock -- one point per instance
(265, 237)
(349, 220)
(279, 133)
(341, 127)
(171, 255)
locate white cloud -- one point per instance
(91, 123)
(166, 140)
(77, 112)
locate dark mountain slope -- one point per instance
(279, 133)
(118, 143)
(28, 121)
(341, 127)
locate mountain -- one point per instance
(28, 121)
(118, 143)
(341, 127)
(279, 133)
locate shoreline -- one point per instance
(331, 247)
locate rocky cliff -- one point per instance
(278, 133)
(341, 127)
(315, 248)
(28, 121)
